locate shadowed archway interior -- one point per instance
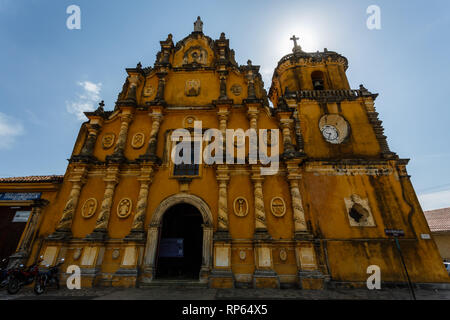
(179, 253)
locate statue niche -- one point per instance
(195, 56)
(358, 211)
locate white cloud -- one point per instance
(435, 200)
(86, 101)
(10, 128)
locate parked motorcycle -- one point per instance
(4, 273)
(22, 276)
(48, 278)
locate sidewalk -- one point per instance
(179, 293)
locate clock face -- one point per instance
(330, 133)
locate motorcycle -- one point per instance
(47, 278)
(22, 276)
(4, 274)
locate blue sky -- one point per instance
(49, 74)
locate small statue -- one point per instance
(198, 25)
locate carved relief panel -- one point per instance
(138, 140)
(89, 207)
(108, 140)
(240, 206)
(278, 206)
(195, 55)
(192, 88)
(124, 208)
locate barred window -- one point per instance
(186, 169)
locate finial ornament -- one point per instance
(100, 107)
(198, 25)
(296, 48)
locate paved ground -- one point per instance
(177, 293)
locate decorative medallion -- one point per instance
(115, 253)
(278, 206)
(77, 253)
(89, 207)
(242, 255)
(240, 206)
(335, 129)
(124, 208)
(236, 89)
(189, 122)
(192, 88)
(149, 91)
(138, 140)
(108, 140)
(283, 255)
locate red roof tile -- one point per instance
(52, 178)
(438, 220)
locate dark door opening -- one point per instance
(180, 245)
(12, 223)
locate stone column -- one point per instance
(221, 275)
(253, 117)
(223, 176)
(149, 267)
(222, 179)
(29, 234)
(119, 148)
(207, 252)
(64, 227)
(222, 114)
(150, 153)
(286, 125)
(101, 226)
(300, 225)
(264, 275)
(297, 207)
(137, 228)
(223, 119)
(260, 213)
(88, 147)
(298, 132)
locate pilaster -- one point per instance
(137, 232)
(64, 227)
(118, 154)
(24, 248)
(101, 227)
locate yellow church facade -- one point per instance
(129, 215)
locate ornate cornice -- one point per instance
(301, 57)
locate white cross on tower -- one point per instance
(296, 46)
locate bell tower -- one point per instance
(333, 120)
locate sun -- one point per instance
(307, 40)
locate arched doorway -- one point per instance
(179, 252)
(150, 255)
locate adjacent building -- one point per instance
(439, 222)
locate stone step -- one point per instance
(174, 283)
